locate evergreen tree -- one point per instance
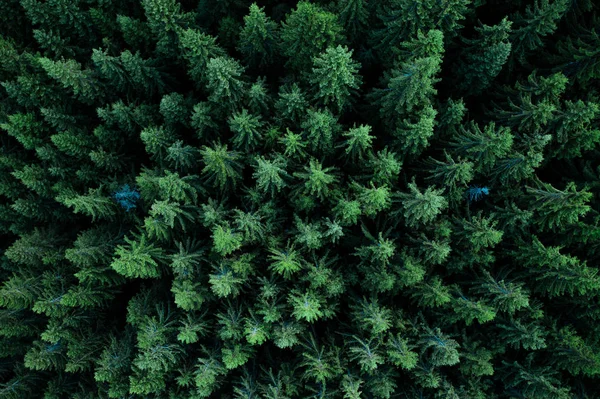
(306, 32)
(258, 38)
(421, 208)
(335, 77)
(483, 57)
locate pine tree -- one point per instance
(483, 57)
(574, 133)
(246, 129)
(225, 82)
(70, 74)
(413, 137)
(580, 54)
(335, 77)
(410, 82)
(558, 273)
(291, 104)
(258, 38)
(575, 355)
(536, 23)
(198, 49)
(306, 32)
(316, 180)
(444, 350)
(93, 204)
(271, 174)
(420, 208)
(534, 382)
(138, 258)
(322, 129)
(483, 147)
(353, 15)
(555, 208)
(221, 167)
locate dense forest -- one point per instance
(318, 199)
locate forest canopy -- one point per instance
(299, 199)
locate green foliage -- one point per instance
(306, 32)
(225, 240)
(554, 208)
(335, 76)
(246, 130)
(198, 49)
(221, 167)
(93, 204)
(299, 199)
(316, 181)
(420, 208)
(483, 57)
(225, 82)
(270, 175)
(70, 75)
(138, 258)
(258, 38)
